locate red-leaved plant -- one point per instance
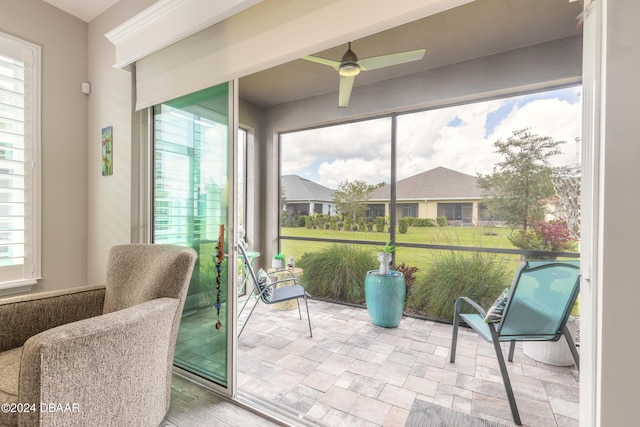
(546, 236)
(556, 235)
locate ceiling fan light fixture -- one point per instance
(349, 69)
(350, 66)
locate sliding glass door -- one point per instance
(191, 196)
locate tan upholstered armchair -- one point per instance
(97, 355)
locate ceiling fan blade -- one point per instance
(382, 61)
(331, 63)
(346, 84)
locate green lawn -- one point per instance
(462, 236)
(495, 238)
(452, 236)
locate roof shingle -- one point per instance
(437, 183)
(297, 189)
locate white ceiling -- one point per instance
(476, 29)
(83, 9)
(473, 30)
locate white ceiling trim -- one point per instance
(269, 34)
(167, 22)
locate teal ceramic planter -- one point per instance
(385, 295)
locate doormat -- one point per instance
(425, 414)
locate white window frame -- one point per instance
(22, 277)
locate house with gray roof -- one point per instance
(304, 197)
(434, 193)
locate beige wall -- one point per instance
(111, 219)
(251, 119)
(63, 39)
(428, 209)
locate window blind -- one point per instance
(19, 201)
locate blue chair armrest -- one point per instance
(472, 303)
(477, 323)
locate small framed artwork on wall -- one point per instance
(107, 151)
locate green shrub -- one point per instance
(442, 221)
(333, 223)
(380, 222)
(290, 221)
(308, 222)
(403, 226)
(318, 221)
(410, 220)
(423, 222)
(337, 272)
(362, 224)
(481, 277)
(348, 224)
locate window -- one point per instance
(408, 210)
(459, 213)
(375, 210)
(191, 208)
(19, 165)
(439, 154)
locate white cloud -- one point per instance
(558, 119)
(359, 145)
(370, 171)
(431, 143)
(425, 141)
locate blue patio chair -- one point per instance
(265, 290)
(535, 308)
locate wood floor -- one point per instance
(194, 406)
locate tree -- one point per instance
(351, 198)
(283, 201)
(520, 183)
(378, 185)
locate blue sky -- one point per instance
(459, 138)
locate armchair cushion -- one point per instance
(9, 372)
(85, 363)
(24, 316)
(141, 272)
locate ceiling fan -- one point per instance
(350, 66)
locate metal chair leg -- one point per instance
(308, 317)
(454, 336)
(572, 346)
(512, 348)
(248, 317)
(505, 375)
